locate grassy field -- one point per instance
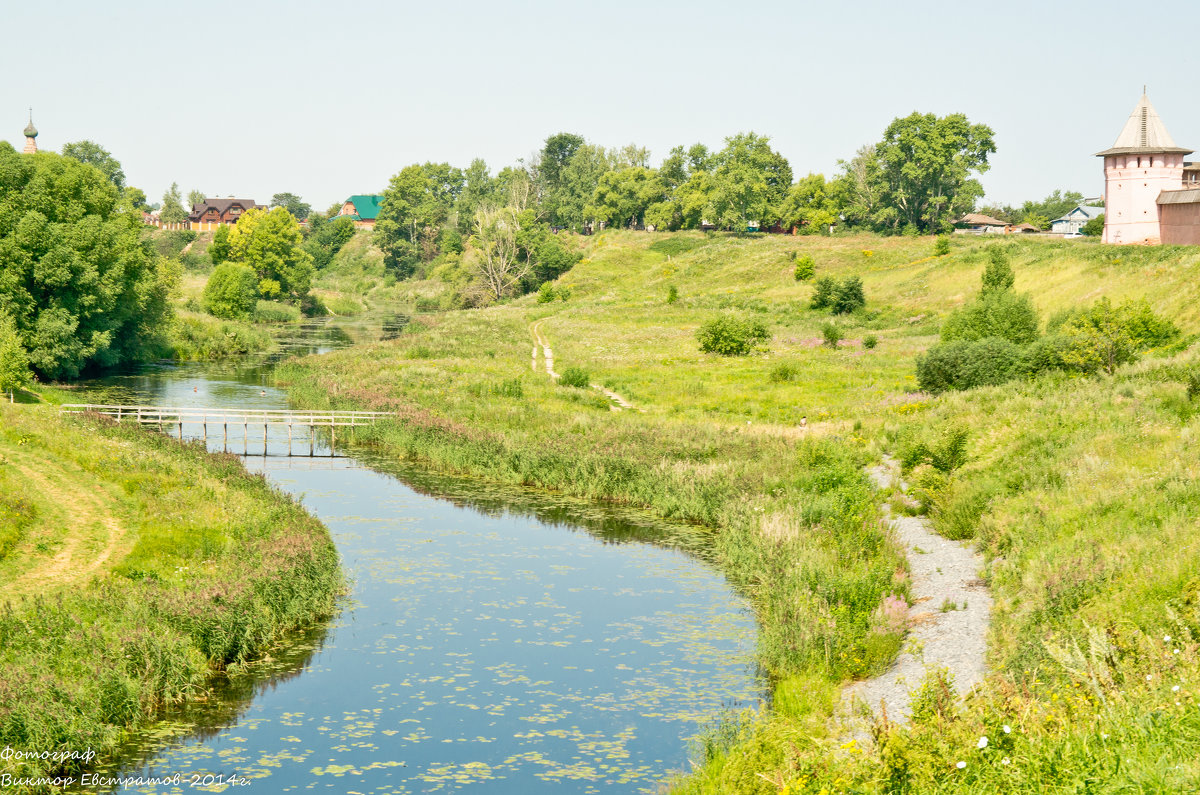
(133, 568)
(1079, 490)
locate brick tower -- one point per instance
(1143, 163)
(30, 135)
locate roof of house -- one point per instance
(1082, 209)
(366, 206)
(1144, 132)
(221, 206)
(1025, 228)
(1186, 196)
(979, 219)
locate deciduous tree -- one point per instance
(172, 211)
(270, 243)
(14, 361)
(81, 285)
(96, 155)
(293, 204)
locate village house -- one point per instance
(979, 224)
(1073, 222)
(211, 213)
(363, 209)
(1151, 194)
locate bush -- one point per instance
(575, 377)
(941, 246)
(784, 371)
(870, 341)
(840, 299)
(805, 268)
(728, 335)
(231, 291)
(1094, 227)
(672, 294)
(995, 313)
(964, 365)
(545, 293)
(832, 335)
(998, 274)
(824, 293)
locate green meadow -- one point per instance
(1080, 490)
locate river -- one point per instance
(494, 640)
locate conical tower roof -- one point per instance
(1144, 133)
(30, 130)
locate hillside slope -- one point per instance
(1079, 490)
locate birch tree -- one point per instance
(497, 266)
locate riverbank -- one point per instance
(133, 569)
(1086, 591)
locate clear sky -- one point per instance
(329, 99)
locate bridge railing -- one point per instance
(164, 415)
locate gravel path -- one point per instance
(948, 620)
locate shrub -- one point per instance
(1094, 227)
(805, 268)
(998, 274)
(995, 313)
(575, 377)
(964, 365)
(849, 296)
(231, 291)
(545, 293)
(784, 371)
(941, 246)
(270, 288)
(218, 249)
(870, 341)
(672, 294)
(728, 335)
(832, 335)
(1105, 337)
(564, 293)
(825, 290)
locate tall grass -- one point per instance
(222, 566)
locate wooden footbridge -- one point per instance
(169, 419)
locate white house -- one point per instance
(1073, 222)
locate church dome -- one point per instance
(30, 130)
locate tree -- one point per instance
(135, 199)
(218, 249)
(919, 176)
(1094, 227)
(14, 362)
(479, 188)
(997, 274)
(622, 197)
(75, 275)
(812, 205)
(496, 263)
(751, 181)
(172, 206)
(548, 169)
(269, 242)
(292, 203)
(576, 187)
(96, 155)
(195, 198)
(231, 291)
(416, 204)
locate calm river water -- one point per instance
(494, 641)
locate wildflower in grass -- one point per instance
(1103, 736)
(1005, 761)
(983, 741)
(961, 765)
(1175, 689)
(1007, 729)
(1175, 652)
(1149, 677)
(1166, 638)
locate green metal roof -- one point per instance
(366, 206)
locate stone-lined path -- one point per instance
(949, 617)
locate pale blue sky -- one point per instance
(326, 99)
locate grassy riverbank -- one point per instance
(133, 568)
(1079, 489)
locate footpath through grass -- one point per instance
(1080, 490)
(131, 569)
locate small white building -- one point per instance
(1074, 221)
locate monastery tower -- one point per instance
(1142, 164)
(30, 135)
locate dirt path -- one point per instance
(90, 536)
(539, 340)
(948, 620)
